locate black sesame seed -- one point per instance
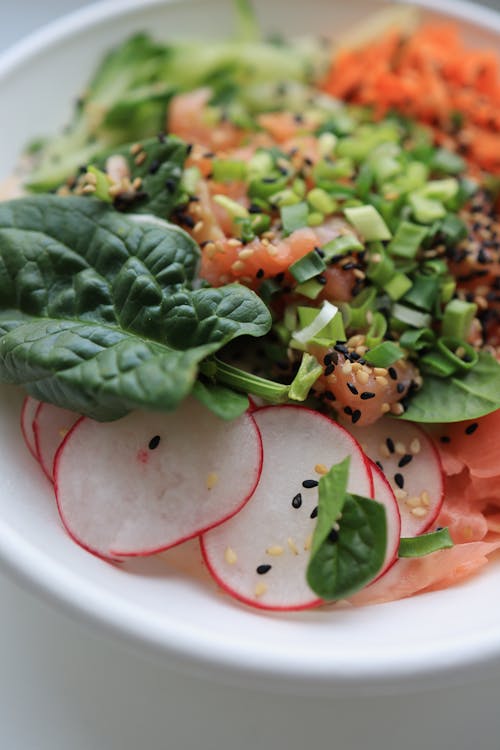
(314, 512)
(367, 395)
(399, 479)
(379, 465)
(405, 460)
(189, 148)
(329, 369)
(260, 273)
(392, 373)
(329, 396)
(154, 442)
(400, 387)
(171, 185)
(261, 569)
(154, 166)
(471, 428)
(390, 445)
(348, 411)
(279, 277)
(445, 439)
(352, 388)
(333, 536)
(297, 500)
(356, 416)
(309, 483)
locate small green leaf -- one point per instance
(224, 402)
(458, 397)
(349, 541)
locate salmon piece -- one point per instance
(187, 118)
(475, 444)
(462, 510)
(358, 392)
(438, 570)
(231, 260)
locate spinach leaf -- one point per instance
(224, 402)
(457, 398)
(158, 164)
(349, 541)
(97, 311)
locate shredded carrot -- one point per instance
(433, 77)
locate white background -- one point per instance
(65, 687)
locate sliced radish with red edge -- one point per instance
(149, 481)
(260, 556)
(382, 493)
(28, 412)
(411, 464)
(50, 427)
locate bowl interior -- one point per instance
(165, 603)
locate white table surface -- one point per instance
(66, 687)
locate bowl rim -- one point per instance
(36, 571)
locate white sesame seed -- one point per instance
(230, 556)
(415, 446)
(292, 546)
(275, 550)
(212, 479)
(419, 512)
(260, 589)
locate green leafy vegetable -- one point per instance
(459, 397)
(97, 310)
(349, 541)
(160, 171)
(224, 402)
(425, 544)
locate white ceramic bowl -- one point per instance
(430, 640)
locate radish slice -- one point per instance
(50, 427)
(382, 492)
(412, 467)
(149, 481)
(28, 412)
(260, 556)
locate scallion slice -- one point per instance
(307, 267)
(398, 286)
(320, 318)
(369, 223)
(411, 317)
(384, 354)
(407, 240)
(425, 544)
(294, 217)
(457, 318)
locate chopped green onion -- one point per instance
(364, 181)
(317, 319)
(261, 164)
(319, 200)
(327, 143)
(264, 187)
(102, 185)
(461, 353)
(369, 223)
(380, 270)
(234, 209)
(411, 317)
(267, 289)
(315, 219)
(440, 190)
(457, 318)
(358, 308)
(376, 331)
(294, 217)
(416, 340)
(452, 229)
(447, 162)
(307, 267)
(285, 197)
(308, 373)
(345, 243)
(190, 179)
(226, 170)
(437, 364)
(310, 289)
(407, 240)
(426, 210)
(384, 354)
(398, 286)
(423, 293)
(425, 544)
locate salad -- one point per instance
(255, 299)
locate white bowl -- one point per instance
(433, 639)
